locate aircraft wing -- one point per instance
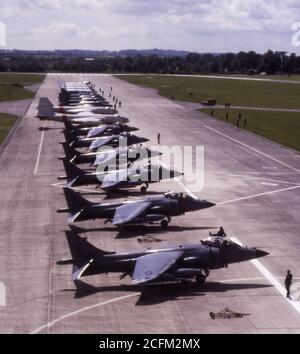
(95, 131)
(114, 178)
(152, 266)
(101, 142)
(105, 157)
(128, 212)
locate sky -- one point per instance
(194, 25)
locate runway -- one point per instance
(255, 183)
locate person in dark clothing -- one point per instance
(220, 233)
(158, 138)
(288, 283)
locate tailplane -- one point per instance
(69, 136)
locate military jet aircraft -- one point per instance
(99, 130)
(112, 157)
(176, 263)
(118, 179)
(124, 139)
(47, 107)
(132, 212)
(83, 118)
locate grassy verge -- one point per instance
(12, 86)
(272, 77)
(281, 127)
(6, 123)
(237, 92)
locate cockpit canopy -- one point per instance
(172, 195)
(219, 242)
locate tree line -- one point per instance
(193, 63)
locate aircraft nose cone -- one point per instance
(260, 253)
(210, 204)
(174, 174)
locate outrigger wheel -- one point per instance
(164, 224)
(200, 279)
(143, 189)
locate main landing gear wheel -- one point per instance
(200, 279)
(143, 189)
(164, 224)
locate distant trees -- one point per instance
(135, 62)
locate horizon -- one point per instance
(210, 26)
(141, 50)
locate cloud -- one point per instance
(181, 24)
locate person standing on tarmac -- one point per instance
(220, 233)
(288, 283)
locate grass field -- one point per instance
(237, 92)
(283, 128)
(12, 86)
(6, 123)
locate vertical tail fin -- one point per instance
(70, 152)
(45, 108)
(68, 125)
(72, 171)
(75, 201)
(69, 136)
(83, 254)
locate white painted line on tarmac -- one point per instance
(63, 184)
(258, 195)
(270, 277)
(252, 149)
(269, 184)
(84, 309)
(235, 280)
(181, 184)
(39, 152)
(246, 175)
(188, 191)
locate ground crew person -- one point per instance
(220, 233)
(158, 138)
(288, 283)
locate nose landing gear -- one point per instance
(165, 223)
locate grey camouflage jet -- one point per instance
(104, 115)
(112, 157)
(99, 130)
(148, 210)
(94, 143)
(176, 263)
(118, 179)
